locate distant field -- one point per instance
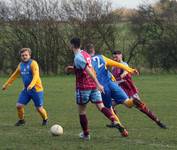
(158, 91)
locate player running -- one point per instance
(33, 89)
(88, 89)
(112, 91)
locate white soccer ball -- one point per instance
(56, 130)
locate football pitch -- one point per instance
(158, 91)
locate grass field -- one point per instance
(159, 92)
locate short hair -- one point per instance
(75, 42)
(116, 52)
(24, 50)
(89, 46)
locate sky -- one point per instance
(125, 3)
(130, 3)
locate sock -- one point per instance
(43, 113)
(114, 110)
(20, 111)
(143, 108)
(108, 114)
(116, 116)
(84, 124)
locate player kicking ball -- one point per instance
(33, 89)
(113, 90)
(88, 89)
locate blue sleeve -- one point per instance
(80, 62)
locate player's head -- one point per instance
(75, 43)
(25, 54)
(117, 56)
(90, 49)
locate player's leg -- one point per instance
(107, 112)
(20, 111)
(116, 116)
(144, 109)
(22, 100)
(117, 94)
(38, 99)
(113, 107)
(83, 122)
(43, 113)
(107, 101)
(136, 96)
(82, 98)
(97, 99)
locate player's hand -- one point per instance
(100, 88)
(136, 72)
(123, 75)
(4, 87)
(29, 88)
(69, 69)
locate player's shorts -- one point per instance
(115, 92)
(84, 96)
(37, 97)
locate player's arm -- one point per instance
(15, 74)
(81, 63)
(69, 69)
(91, 73)
(123, 74)
(35, 72)
(112, 63)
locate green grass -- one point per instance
(159, 92)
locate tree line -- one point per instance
(46, 26)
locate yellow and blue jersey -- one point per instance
(29, 72)
(100, 64)
(26, 73)
(104, 76)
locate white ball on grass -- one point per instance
(56, 130)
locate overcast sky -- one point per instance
(124, 3)
(130, 3)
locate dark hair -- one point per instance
(89, 46)
(75, 42)
(116, 52)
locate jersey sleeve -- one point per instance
(80, 62)
(125, 72)
(35, 72)
(124, 63)
(13, 77)
(112, 63)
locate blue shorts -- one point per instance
(113, 91)
(84, 96)
(37, 97)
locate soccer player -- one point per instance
(88, 89)
(33, 89)
(112, 91)
(123, 78)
